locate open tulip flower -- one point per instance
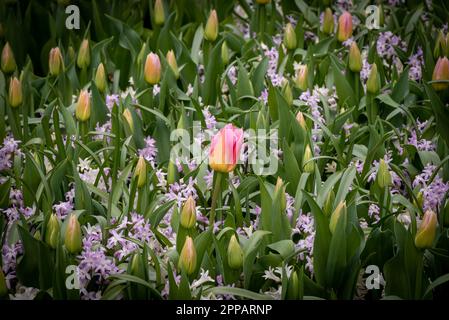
(202, 150)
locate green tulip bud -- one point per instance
(261, 122)
(171, 172)
(355, 58)
(224, 53)
(15, 92)
(235, 254)
(383, 176)
(440, 45)
(159, 14)
(83, 55)
(188, 213)
(330, 198)
(427, 230)
(287, 93)
(339, 212)
(187, 258)
(308, 166)
(293, 287)
(73, 235)
(328, 21)
(211, 29)
(279, 193)
(302, 77)
(372, 84)
(52, 232)
(100, 78)
(289, 37)
(129, 119)
(171, 60)
(8, 63)
(141, 172)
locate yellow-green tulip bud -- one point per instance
(427, 230)
(129, 119)
(224, 53)
(83, 55)
(73, 235)
(383, 176)
(440, 45)
(289, 37)
(261, 122)
(171, 60)
(279, 193)
(71, 53)
(82, 111)
(100, 78)
(287, 93)
(211, 29)
(3, 287)
(55, 62)
(355, 58)
(328, 204)
(52, 232)
(301, 120)
(187, 258)
(15, 92)
(328, 21)
(302, 77)
(372, 84)
(8, 62)
(235, 254)
(344, 27)
(188, 213)
(171, 172)
(339, 212)
(441, 72)
(152, 69)
(293, 287)
(159, 14)
(308, 166)
(141, 172)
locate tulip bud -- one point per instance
(419, 200)
(301, 120)
(441, 72)
(171, 60)
(211, 29)
(235, 254)
(383, 177)
(440, 45)
(73, 235)
(293, 287)
(188, 213)
(55, 62)
(15, 92)
(426, 233)
(141, 172)
(289, 37)
(308, 166)
(171, 172)
(372, 84)
(187, 258)
(159, 14)
(3, 286)
(344, 27)
(141, 54)
(340, 211)
(355, 59)
(129, 119)
(329, 203)
(100, 78)
(224, 53)
(136, 267)
(52, 232)
(71, 53)
(263, 1)
(287, 93)
(8, 61)
(83, 55)
(82, 111)
(328, 21)
(152, 69)
(302, 77)
(279, 192)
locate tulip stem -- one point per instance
(218, 177)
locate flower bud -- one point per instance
(440, 45)
(8, 61)
(293, 287)
(344, 27)
(15, 92)
(372, 84)
(289, 37)
(52, 232)
(82, 111)
(308, 166)
(328, 21)
(302, 76)
(441, 72)
(355, 59)
(152, 69)
(73, 235)
(129, 119)
(55, 62)
(301, 120)
(261, 122)
(279, 193)
(426, 233)
(419, 201)
(330, 198)
(188, 213)
(100, 78)
(187, 258)
(171, 60)
(159, 14)
(224, 53)
(235, 254)
(71, 53)
(383, 177)
(83, 55)
(287, 93)
(3, 286)
(141, 172)
(171, 172)
(340, 211)
(211, 29)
